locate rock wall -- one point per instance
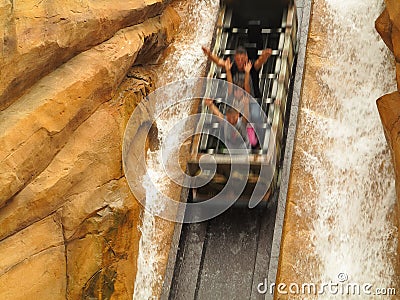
(388, 26)
(39, 36)
(68, 222)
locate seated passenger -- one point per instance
(238, 93)
(238, 68)
(241, 98)
(232, 139)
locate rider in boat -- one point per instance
(238, 68)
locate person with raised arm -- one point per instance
(233, 117)
(238, 68)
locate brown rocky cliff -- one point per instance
(39, 36)
(68, 222)
(388, 26)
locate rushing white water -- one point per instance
(355, 189)
(185, 60)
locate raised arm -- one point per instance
(228, 66)
(247, 69)
(219, 61)
(213, 108)
(262, 59)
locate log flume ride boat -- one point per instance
(254, 25)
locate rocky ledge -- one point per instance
(69, 81)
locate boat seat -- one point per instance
(255, 33)
(252, 50)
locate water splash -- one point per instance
(352, 166)
(185, 60)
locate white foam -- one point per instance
(352, 165)
(186, 61)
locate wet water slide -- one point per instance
(228, 257)
(336, 189)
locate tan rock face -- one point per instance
(69, 173)
(388, 26)
(37, 126)
(384, 27)
(389, 111)
(393, 9)
(396, 46)
(398, 75)
(389, 105)
(104, 227)
(29, 252)
(69, 223)
(37, 37)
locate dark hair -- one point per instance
(241, 50)
(231, 110)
